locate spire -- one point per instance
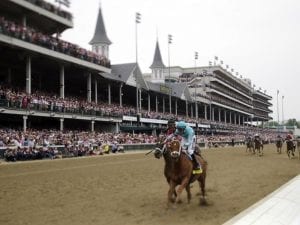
(100, 33)
(157, 61)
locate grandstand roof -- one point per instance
(157, 61)
(100, 32)
(179, 90)
(126, 73)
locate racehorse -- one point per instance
(279, 144)
(290, 148)
(249, 145)
(179, 172)
(258, 146)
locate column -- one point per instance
(25, 123)
(230, 117)
(117, 128)
(219, 109)
(61, 124)
(109, 94)
(192, 111)
(62, 82)
(92, 125)
(225, 116)
(186, 108)
(89, 87)
(96, 91)
(196, 111)
(235, 118)
(28, 75)
(140, 98)
(205, 112)
(213, 113)
(239, 119)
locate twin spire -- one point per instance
(100, 36)
(157, 60)
(100, 44)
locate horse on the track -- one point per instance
(249, 145)
(179, 172)
(258, 146)
(290, 148)
(279, 143)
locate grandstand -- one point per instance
(49, 82)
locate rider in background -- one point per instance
(171, 127)
(289, 137)
(188, 142)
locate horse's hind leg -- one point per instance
(201, 182)
(188, 192)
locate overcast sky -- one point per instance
(257, 38)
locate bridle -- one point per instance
(175, 154)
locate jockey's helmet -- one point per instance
(181, 127)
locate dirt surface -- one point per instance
(130, 189)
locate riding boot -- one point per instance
(198, 166)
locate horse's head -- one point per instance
(174, 148)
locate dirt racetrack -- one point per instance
(130, 189)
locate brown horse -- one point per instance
(279, 144)
(179, 172)
(258, 146)
(249, 145)
(290, 148)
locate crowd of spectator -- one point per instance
(52, 8)
(36, 37)
(51, 144)
(40, 101)
(39, 144)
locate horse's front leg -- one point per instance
(183, 184)
(171, 192)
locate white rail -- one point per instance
(281, 207)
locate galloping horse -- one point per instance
(179, 172)
(249, 145)
(279, 143)
(290, 148)
(258, 146)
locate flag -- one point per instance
(277, 91)
(216, 58)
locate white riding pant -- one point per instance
(191, 147)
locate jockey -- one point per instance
(188, 142)
(289, 137)
(171, 127)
